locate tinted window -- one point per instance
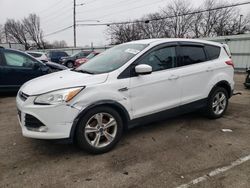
(160, 59)
(191, 54)
(213, 52)
(18, 60)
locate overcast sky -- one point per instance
(58, 14)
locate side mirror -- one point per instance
(143, 69)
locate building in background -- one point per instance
(240, 49)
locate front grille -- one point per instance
(32, 122)
(23, 96)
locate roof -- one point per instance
(164, 40)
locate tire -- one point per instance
(70, 64)
(214, 108)
(94, 132)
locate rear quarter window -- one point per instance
(213, 52)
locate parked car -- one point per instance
(69, 61)
(17, 67)
(79, 62)
(56, 55)
(127, 85)
(41, 56)
(247, 81)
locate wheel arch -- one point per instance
(224, 84)
(108, 103)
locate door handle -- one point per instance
(173, 77)
(123, 89)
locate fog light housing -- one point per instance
(40, 129)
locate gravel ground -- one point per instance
(165, 154)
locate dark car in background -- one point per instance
(69, 61)
(56, 55)
(18, 67)
(81, 61)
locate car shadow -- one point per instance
(6, 94)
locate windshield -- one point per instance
(90, 55)
(112, 59)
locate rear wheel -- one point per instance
(99, 130)
(70, 64)
(217, 103)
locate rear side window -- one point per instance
(213, 52)
(191, 55)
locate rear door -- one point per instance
(196, 71)
(18, 68)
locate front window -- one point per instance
(112, 59)
(18, 60)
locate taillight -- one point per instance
(230, 62)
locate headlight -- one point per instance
(58, 96)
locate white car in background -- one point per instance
(39, 56)
(131, 83)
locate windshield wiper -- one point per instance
(82, 71)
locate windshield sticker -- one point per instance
(132, 51)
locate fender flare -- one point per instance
(225, 84)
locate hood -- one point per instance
(61, 80)
(55, 65)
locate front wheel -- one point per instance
(217, 103)
(99, 130)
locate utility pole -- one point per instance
(240, 23)
(74, 22)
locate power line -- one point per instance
(58, 31)
(149, 20)
(167, 17)
(62, 10)
(50, 6)
(129, 9)
(107, 5)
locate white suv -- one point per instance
(129, 84)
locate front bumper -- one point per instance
(56, 119)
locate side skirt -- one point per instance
(159, 116)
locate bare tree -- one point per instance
(15, 32)
(32, 27)
(2, 34)
(153, 29)
(179, 18)
(59, 44)
(121, 33)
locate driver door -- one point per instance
(160, 90)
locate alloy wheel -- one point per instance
(219, 103)
(100, 130)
